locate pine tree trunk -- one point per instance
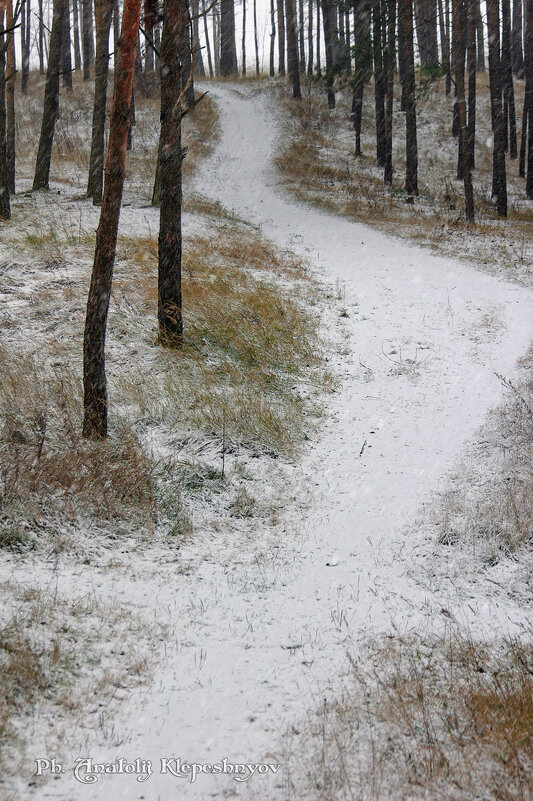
(10, 99)
(66, 55)
(517, 50)
(390, 61)
(472, 67)
(86, 40)
(329, 13)
(507, 80)
(528, 100)
(292, 49)
(480, 40)
(310, 40)
(116, 32)
(103, 12)
(379, 89)
(25, 19)
(459, 70)
(94, 377)
(5, 208)
(445, 42)
(362, 66)
(207, 42)
(411, 146)
(41, 38)
(76, 27)
(301, 34)
(256, 41)
(51, 100)
(170, 318)
(499, 186)
(244, 37)
(216, 39)
(426, 16)
(281, 37)
(228, 57)
(272, 68)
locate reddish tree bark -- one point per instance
(94, 377)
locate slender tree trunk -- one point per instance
(310, 40)
(318, 26)
(25, 20)
(499, 176)
(362, 65)
(401, 57)
(94, 377)
(472, 66)
(379, 87)
(459, 67)
(281, 37)
(256, 41)
(301, 34)
(76, 27)
(480, 39)
(449, 70)
(5, 208)
(41, 38)
(244, 37)
(329, 13)
(10, 99)
(292, 49)
(116, 33)
(517, 50)
(390, 61)
(66, 55)
(103, 12)
(445, 42)
(426, 16)
(199, 69)
(272, 68)
(51, 100)
(216, 38)
(411, 146)
(207, 42)
(86, 39)
(228, 57)
(169, 313)
(507, 79)
(528, 100)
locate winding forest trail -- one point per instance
(425, 338)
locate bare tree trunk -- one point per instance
(445, 42)
(216, 39)
(281, 37)
(41, 38)
(517, 50)
(362, 66)
(199, 69)
(348, 43)
(411, 147)
(301, 34)
(86, 39)
(169, 313)
(528, 100)
(103, 12)
(310, 40)
(5, 207)
(507, 80)
(207, 42)
(10, 99)
(66, 56)
(459, 69)
(499, 186)
(389, 72)
(228, 56)
(244, 37)
(116, 32)
(256, 41)
(51, 100)
(426, 17)
(25, 21)
(292, 49)
(379, 81)
(472, 66)
(272, 68)
(329, 13)
(76, 27)
(449, 72)
(94, 377)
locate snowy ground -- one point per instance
(259, 625)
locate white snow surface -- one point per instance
(260, 629)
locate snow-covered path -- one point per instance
(426, 335)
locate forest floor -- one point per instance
(252, 546)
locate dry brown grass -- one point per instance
(317, 164)
(424, 718)
(249, 343)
